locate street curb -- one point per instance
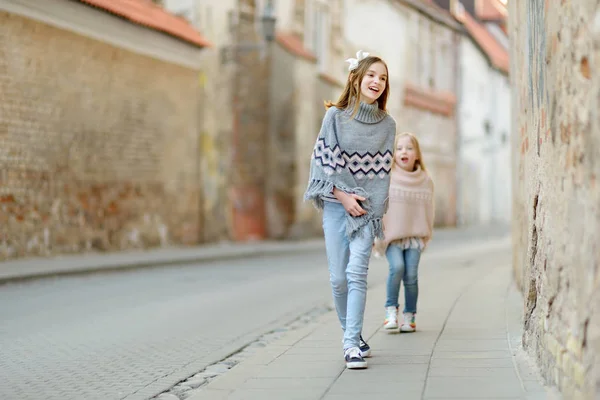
(79, 264)
(42, 267)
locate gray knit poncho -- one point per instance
(354, 155)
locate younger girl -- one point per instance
(349, 181)
(408, 226)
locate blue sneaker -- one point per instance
(354, 359)
(365, 349)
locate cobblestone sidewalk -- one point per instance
(467, 345)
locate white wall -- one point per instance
(484, 159)
(208, 16)
(498, 34)
(211, 18)
(184, 8)
(502, 127)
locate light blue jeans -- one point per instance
(348, 265)
(404, 266)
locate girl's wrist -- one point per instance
(339, 194)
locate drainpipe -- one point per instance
(459, 80)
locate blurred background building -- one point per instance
(149, 123)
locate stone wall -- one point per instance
(217, 119)
(555, 51)
(297, 97)
(98, 145)
(281, 196)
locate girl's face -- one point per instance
(374, 82)
(406, 154)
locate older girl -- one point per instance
(349, 180)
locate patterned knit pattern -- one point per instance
(354, 155)
(334, 160)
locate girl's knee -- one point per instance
(357, 281)
(396, 269)
(411, 279)
(339, 284)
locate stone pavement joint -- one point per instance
(196, 382)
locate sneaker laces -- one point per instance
(353, 352)
(408, 318)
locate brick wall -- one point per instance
(555, 51)
(98, 145)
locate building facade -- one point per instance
(99, 129)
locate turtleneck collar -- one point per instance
(368, 113)
(402, 177)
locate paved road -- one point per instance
(129, 335)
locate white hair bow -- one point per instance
(360, 55)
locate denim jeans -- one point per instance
(404, 266)
(348, 265)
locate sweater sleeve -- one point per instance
(327, 161)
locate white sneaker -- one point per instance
(409, 324)
(354, 359)
(365, 349)
(391, 318)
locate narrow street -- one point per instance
(124, 334)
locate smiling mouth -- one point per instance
(374, 89)
(404, 159)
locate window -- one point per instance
(317, 25)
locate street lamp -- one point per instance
(268, 21)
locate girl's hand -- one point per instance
(351, 205)
(350, 202)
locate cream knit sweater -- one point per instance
(411, 208)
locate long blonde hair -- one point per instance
(352, 90)
(415, 142)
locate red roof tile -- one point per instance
(294, 45)
(497, 54)
(146, 13)
(491, 10)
